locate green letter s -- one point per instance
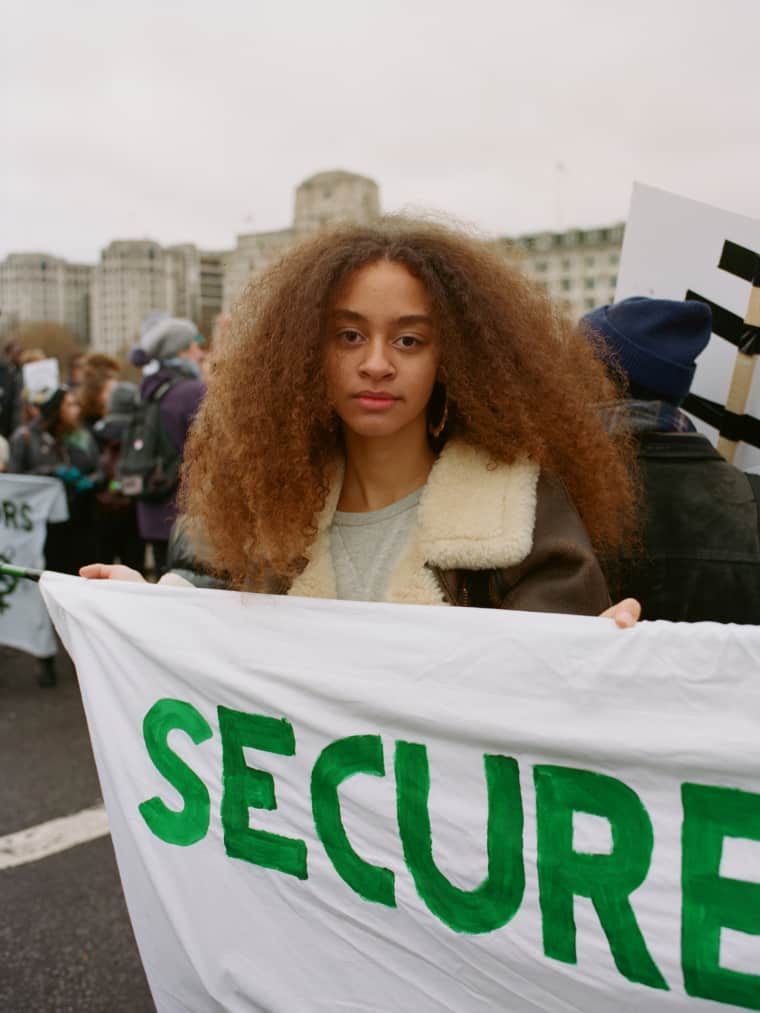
(191, 823)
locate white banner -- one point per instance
(673, 245)
(27, 503)
(322, 805)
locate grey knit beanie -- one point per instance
(163, 337)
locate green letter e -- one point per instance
(711, 901)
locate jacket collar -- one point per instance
(473, 515)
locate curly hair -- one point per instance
(98, 369)
(521, 380)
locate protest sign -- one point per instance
(27, 503)
(41, 375)
(322, 805)
(674, 248)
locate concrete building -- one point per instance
(321, 201)
(136, 277)
(212, 266)
(133, 278)
(106, 303)
(38, 286)
(578, 268)
(185, 266)
(332, 198)
(253, 253)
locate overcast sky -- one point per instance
(193, 122)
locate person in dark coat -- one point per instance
(56, 444)
(10, 389)
(177, 348)
(116, 514)
(700, 554)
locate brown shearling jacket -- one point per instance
(488, 536)
(559, 574)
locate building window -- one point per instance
(613, 258)
(588, 283)
(613, 280)
(566, 284)
(589, 303)
(540, 265)
(589, 261)
(566, 263)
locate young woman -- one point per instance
(401, 416)
(57, 444)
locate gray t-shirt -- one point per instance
(365, 547)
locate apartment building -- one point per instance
(578, 268)
(38, 286)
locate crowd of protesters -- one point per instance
(405, 378)
(74, 432)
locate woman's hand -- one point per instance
(110, 571)
(625, 613)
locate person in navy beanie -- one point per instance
(699, 556)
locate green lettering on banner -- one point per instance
(357, 754)
(608, 880)
(498, 897)
(26, 517)
(246, 787)
(711, 901)
(9, 514)
(191, 823)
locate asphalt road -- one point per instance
(66, 944)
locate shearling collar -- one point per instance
(473, 515)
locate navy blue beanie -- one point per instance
(655, 341)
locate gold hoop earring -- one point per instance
(435, 431)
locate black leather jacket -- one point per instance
(700, 557)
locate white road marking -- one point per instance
(45, 839)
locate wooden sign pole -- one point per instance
(743, 374)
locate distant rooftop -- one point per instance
(335, 176)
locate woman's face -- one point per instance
(68, 413)
(382, 351)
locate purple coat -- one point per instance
(177, 410)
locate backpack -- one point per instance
(149, 465)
